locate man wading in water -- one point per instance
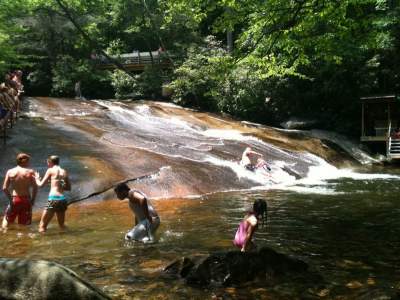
(59, 182)
(21, 198)
(146, 218)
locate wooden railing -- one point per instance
(8, 116)
(7, 121)
(136, 60)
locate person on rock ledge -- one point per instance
(146, 218)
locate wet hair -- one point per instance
(260, 209)
(54, 159)
(121, 187)
(22, 158)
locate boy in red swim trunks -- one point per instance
(21, 189)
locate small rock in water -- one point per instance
(233, 267)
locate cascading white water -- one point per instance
(140, 127)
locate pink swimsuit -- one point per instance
(241, 234)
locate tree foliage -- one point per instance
(310, 57)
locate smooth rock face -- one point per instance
(234, 267)
(25, 279)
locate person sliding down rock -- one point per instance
(146, 218)
(248, 158)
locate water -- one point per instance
(343, 221)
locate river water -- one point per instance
(340, 217)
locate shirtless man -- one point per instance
(59, 182)
(248, 158)
(146, 218)
(23, 192)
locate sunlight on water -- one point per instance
(343, 222)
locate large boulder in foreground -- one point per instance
(235, 267)
(26, 279)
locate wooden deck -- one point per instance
(373, 139)
(380, 116)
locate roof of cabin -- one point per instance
(381, 98)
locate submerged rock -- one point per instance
(234, 267)
(26, 279)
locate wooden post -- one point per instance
(10, 118)
(388, 132)
(4, 132)
(389, 120)
(362, 120)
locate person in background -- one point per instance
(247, 227)
(396, 133)
(78, 91)
(59, 182)
(22, 195)
(17, 78)
(146, 218)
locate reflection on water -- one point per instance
(351, 239)
(344, 224)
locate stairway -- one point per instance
(394, 148)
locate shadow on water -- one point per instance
(345, 225)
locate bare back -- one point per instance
(248, 156)
(140, 206)
(21, 180)
(58, 180)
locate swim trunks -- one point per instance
(143, 231)
(57, 203)
(250, 167)
(21, 208)
(241, 234)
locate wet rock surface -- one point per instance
(25, 279)
(234, 267)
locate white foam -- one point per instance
(350, 146)
(228, 134)
(241, 172)
(325, 171)
(180, 139)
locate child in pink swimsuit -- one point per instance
(249, 224)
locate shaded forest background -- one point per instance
(308, 59)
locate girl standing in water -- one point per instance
(249, 224)
(59, 182)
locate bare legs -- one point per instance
(47, 216)
(4, 224)
(61, 219)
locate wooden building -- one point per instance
(380, 119)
